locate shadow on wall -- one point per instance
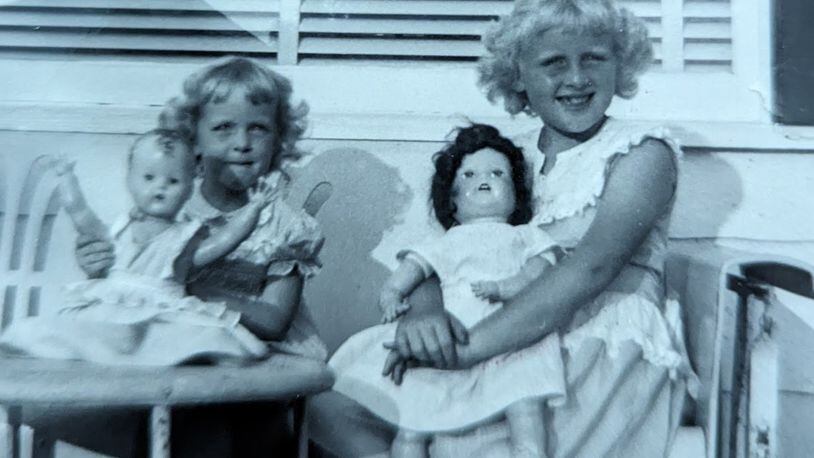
(368, 198)
(710, 190)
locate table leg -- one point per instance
(25, 441)
(160, 432)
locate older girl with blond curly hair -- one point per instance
(604, 189)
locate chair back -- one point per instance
(33, 241)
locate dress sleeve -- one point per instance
(538, 243)
(294, 241)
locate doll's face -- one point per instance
(160, 183)
(483, 189)
(236, 141)
(569, 78)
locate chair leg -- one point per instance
(160, 432)
(25, 441)
(9, 418)
(300, 427)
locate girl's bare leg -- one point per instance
(527, 429)
(410, 444)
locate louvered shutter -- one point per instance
(687, 34)
(153, 28)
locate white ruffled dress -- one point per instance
(432, 400)
(140, 314)
(627, 370)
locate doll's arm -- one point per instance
(73, 201)
(401, 283)
(507, 288)
(222, 241)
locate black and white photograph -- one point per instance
(406, 228)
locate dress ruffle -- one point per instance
(580, 174)
(622, 318)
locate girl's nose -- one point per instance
(577, 78)
(243, 142)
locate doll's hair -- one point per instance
(215, 82)
(470, 140)
(498, 68)
(167, 141)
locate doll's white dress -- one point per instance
(433, 400)
(139, 314)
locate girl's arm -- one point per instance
(637, 193)
(401, 283)
(507, 288)
(73, 201)
(269, 316)
(228, 237)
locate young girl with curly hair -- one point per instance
(603, 189)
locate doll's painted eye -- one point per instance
(174, 181)
(497, 172)
(469, 174)
(149, 177)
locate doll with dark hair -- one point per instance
(487, 255)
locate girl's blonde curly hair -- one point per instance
(498, 69)
(216, 81)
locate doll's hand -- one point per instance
(263, 193)
(392, 306)
(393, 310)
(487, 290)
(60, 164)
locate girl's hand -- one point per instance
(487, 290)
(430, 338)
(95, 256)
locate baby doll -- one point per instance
(140, 313)
(487, 255)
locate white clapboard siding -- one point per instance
(139, 27)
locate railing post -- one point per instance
(289, 34)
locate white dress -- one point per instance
(432, 400)
(139, 314)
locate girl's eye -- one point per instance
(595, 57)
(259, 128)
(554, 62)
(149, 177)
(222, 126)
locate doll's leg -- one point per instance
(410, 444)
(527, 429)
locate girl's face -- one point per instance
(160, 183)
(236, 141)
(569, 78)
(483, 189)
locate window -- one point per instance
(369, 68)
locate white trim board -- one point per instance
(119, 119)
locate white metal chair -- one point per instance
(36, 246)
